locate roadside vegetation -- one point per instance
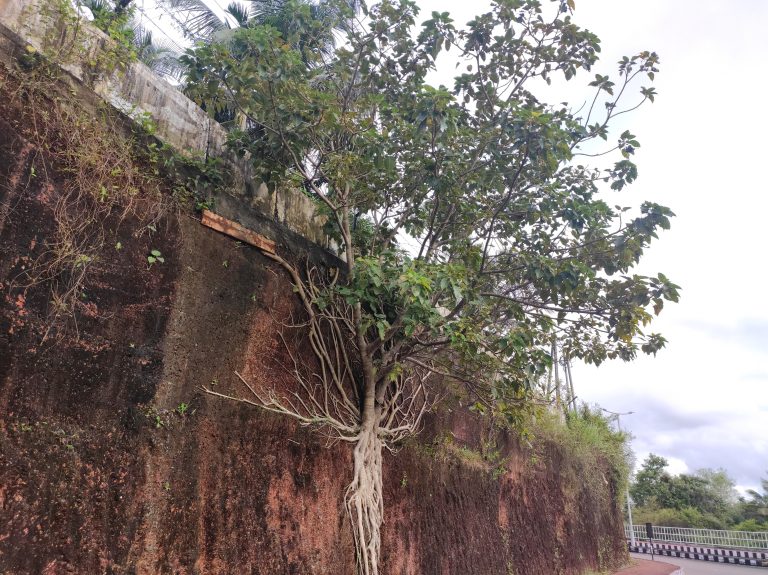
(705, 499)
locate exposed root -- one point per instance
(334, 395)
(364, 501)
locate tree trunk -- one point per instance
(364, 497)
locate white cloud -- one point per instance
(701, 402)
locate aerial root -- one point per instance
(363, 500)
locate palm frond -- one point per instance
(159, 56)
(196, 20)
(240, 12)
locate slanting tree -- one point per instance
(472, 234)
(757, 505)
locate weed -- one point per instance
(155, 256)
(204, 204)
(156, 417)
(600, 453)
(182, 409)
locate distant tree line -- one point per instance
(704, 499)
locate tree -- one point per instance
(757, 504)
(202, 24)
(705, 499)
(471, 233)
(721, 486)
(694, 492)
(116, 18)
(651, 482)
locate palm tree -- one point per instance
(117, 18)
(200, 23)
(758, 502)
(158, 56)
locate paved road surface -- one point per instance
(693, 567)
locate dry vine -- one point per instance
(102, 184)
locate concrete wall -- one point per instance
(135, 91)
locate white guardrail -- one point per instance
(713, 537)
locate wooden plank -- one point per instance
(235, 230)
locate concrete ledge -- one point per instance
(80, 49)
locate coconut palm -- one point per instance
(116, 18)
(201, 24)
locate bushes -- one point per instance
(750, 525)
(684, 517)
(587, 434)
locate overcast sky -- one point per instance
(703, 401)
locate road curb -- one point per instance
(758, 558)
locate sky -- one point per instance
(702, 401)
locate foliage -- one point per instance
(706, 499)
(485, 235)
(677, 517)
(117, 20)
(751, 525)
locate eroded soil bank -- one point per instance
(111, 461)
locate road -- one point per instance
(693, 567)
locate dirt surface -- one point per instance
(644, 567)
(113, 462)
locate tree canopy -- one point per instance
(706, 498)
(505, 224)
(473, 230)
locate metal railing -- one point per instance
(713, 537)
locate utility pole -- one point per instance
(629, 501)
